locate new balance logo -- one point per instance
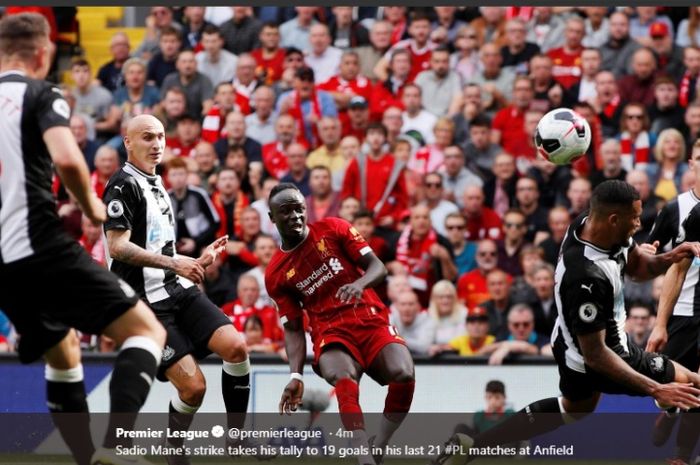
(589, 288)
(335, 265)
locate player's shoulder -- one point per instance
(121, 184)
(331, 225)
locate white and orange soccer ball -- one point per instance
(562, 136)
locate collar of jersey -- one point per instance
(150, 177)
(610, 253)
(692, 193)
(13, 71)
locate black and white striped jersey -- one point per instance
(588, 292)
(195, 216)
(670, 230)
(29, 224)
(139, 202)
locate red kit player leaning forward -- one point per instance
(327, 269)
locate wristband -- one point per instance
(297, 376)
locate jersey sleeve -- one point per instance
(589, 303)
(690, 231)
(52, 109)
(122, 199)
(288, 306)
(349, 238)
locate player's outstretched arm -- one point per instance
(606, 362)
(295, 343)
(120, 248)
(71, 167)
(375, 274)
(671, 289)
(643, 266)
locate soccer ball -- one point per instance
(562, 136)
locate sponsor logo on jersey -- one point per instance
(587, 312)
(320, 276)
(291, 273)
(336, 266)
(323, 248)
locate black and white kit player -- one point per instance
(140, 232)
(49, 283)
(676, 331)
(590, 345)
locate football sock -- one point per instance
(348, 393)
(65, 397)
(537, 418)
(180, 418)
(132, 377)
(396, 407)
(235, 388)
(688, 433)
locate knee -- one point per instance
(236, 350)
(402, 373)
(334, 376)
(192, 393)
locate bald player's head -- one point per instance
(145, 142)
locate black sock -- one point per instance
(180, 420)
(69, 410)
(132, 377)
(235, 388)
(688, 433)
(537, 418)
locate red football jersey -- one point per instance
(271, 69)
(566, 68)
(309, 276)
(360, 86)
(275, 160)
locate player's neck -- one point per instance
(598, 236)
(291, 243)
(17, 65)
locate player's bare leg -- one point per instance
(537, 418)
(141, 338)
(65, 394)
(393, 366)
(341, 370)
(235, 375)
(188, 379)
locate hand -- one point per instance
(97, 211)
(649, 249)
(348, 292)
(212, 251)
(498, 356)
(657, 339)
(684, 396)
(234, 247)
(188, 268)
(186, 245)
(291, 397)
(439, 252)
(686, 249)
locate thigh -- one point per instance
(177, 345)
(336, 363)
(199, 318)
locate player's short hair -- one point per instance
(22, 33)
(283, 186)
(496, 387)
(613, 193)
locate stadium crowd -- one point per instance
(416, 125)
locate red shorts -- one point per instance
(364, 337)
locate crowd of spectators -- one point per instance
(414, 124)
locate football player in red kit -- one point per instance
(328, 270)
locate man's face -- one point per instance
(455, 230)
(491, 58)
(590, 62)
(544, 284)
(643, 64)
(329, 132)
(473, 200)
(433, 187)
(174, 104)
(691, 60)
(77, 127)
(514, 226)
(177, 178)
(296, 157)
(250, 222)
(225, 96)
(145, 144)
(119, 47)
(440, 63)
(285, 128)
(319, 39)
(412, 99)
(375, 140)
(320, 182)
(293, 61)
(288, 213)
(392, 120)
(304, 88)
(419, 30)
(212, 43)
(693, 163)
(478, 327)
(248, 292)
(619, 26)
(541, 69)
(169, 46)
(364, 226)
(579, 194)
(401, 65)
(349, 67)
(638, 320)
(522, 93)
(227, 183)
(495, 401)
(504, 167)
(81, 76)
(480, 136)
(186, 64)
(420, 221)
(526, 192)
(135, 76)
(187, 130)
(497, 285)
(235, 125)
(666, 95)
(486, 256)
(692, 117)
(106, 163)
(515, 33)
(610, 154)
(454, 160)
(245, 69)
(558, 222)
(574, 32)
(163, 16)
(408, 307)
(265, 248)
(270, 37)
(343, 15)
(629, 222)
(380, 35)
(605, 85)
(205, 157)
(521, 325)
(264, 101)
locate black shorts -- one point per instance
(190, 319)
(575, 385)
(44, 296)
(682, 345)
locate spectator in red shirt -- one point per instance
(214, 121)
(508, 126)
(187, 132)
(482, 222)
(270, 56)
(363, 222)
(244, 307)
(396, 16)
(245, 82)
(385, 195)
(274, 154)
(471, 286)
(348, 83)
(91, 240)
(423, 254)
(419, 46)
(567, 59)
(106, 164)
(388, 92)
